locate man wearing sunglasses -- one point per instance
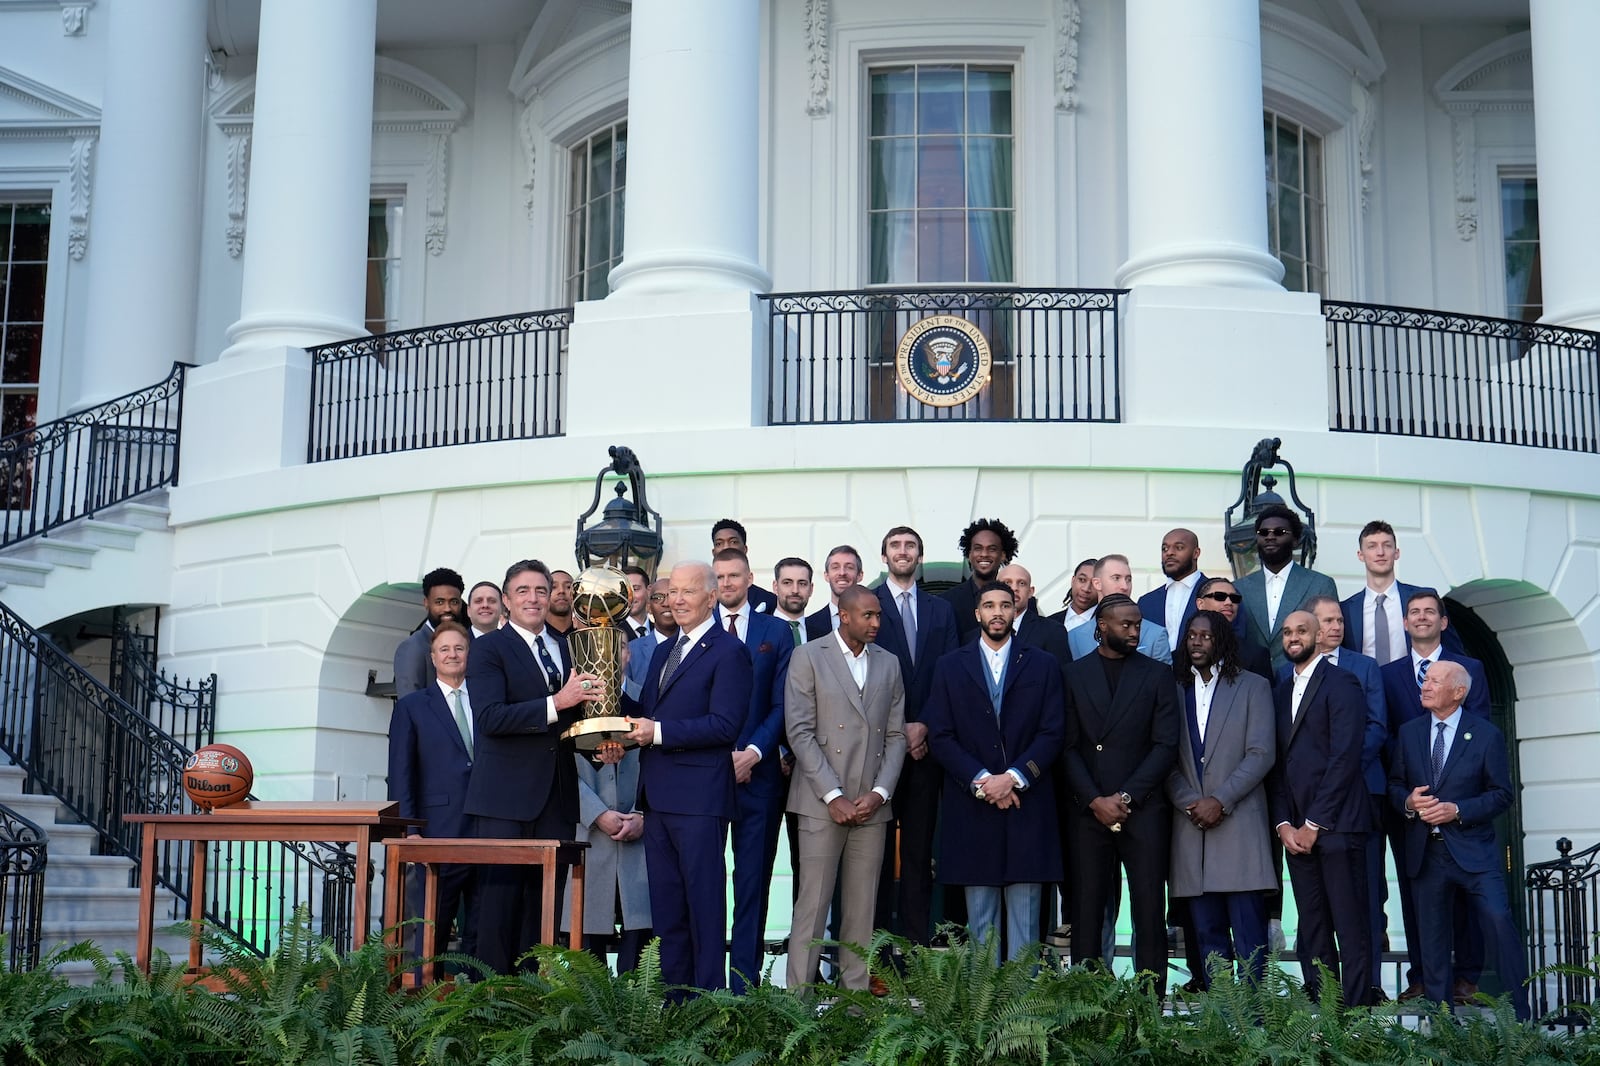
(1282, 586)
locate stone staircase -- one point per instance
(86, 896)
(77, 545)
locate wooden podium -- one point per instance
(361, 823)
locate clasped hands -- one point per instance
(1110, 811)
(1206, 813)
(1298, 841)
(1000, 790)
(622, 827)
(1432, 809)
(856, 812)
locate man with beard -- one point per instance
(841, 569)
(1121, 742)
(1113, 577)
(791, 584)
(1320, 811)
(1221, 595)
(1173, 604)
(995, 725)
(730, 534)
(559, 617)
(1282, 586)
(413, 659)
(986, 545)
(1078, 607)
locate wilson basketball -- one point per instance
(217, 775)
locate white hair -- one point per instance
(703, 568)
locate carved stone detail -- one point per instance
(528, 134)
(818, 59)
(1464, 137)
(438, 190)
(74, 19)
(80, 190)
(1069, 18)
(1366, 120)
(238, 161)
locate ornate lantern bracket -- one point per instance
(1256, 492)
(620, 538)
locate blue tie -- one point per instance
(1438, 754)
(1422, 671)
(552, 673)
(674, 657)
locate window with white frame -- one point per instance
(942, 199)
(1296, 203)
(595, 215)
(1519, 229)
(24, 255)
(385, 215)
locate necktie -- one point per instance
(1438, 754)
(909, 620)
(794, 627)
(1422, 671)
(1380, 629)
(552, 673)
(461, 720)
(733, 628)
(674, 659)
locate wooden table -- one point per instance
(361, 823)
(430, 852)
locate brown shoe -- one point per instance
(1463, 992)
(1413, 991)
(878, 986)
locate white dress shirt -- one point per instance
(1073, 619)
(1178, 593)
(1397, 625)
(741, 619)
(858, 673)
(1204, 692)
(532, 640)
(1302, 678)
(786, 620)
(1275, 585)
(898, 591)
(466, 704)
(694, 636)
(1417, 660)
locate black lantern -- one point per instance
(1255, 494)
(620, 539)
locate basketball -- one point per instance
(217, 775)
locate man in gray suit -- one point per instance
(844, 706)
(413, 662)
(1282, 586)
(1221, 858)
(615, 891)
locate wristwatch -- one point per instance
(1127, 800)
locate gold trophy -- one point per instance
(600, 599)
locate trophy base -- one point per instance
(590, 733)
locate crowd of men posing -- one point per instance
(1192, 743)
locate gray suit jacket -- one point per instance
(1302, 585)
(611, 869)
(1235, 855)
(413, 662)
(843, 737)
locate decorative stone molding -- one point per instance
(1069, 19)
(1464, 142)
(818, 58)
(528, 135)
(51, 115)
(80, 191)
(438, 188)
(238, 163)
(1488, 80)
(1366, 120)
(74, 19)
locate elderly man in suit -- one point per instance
(995, 725)
(1221, 861)
(1121, 743)
(1173, 604)
(523, 783)
(1282, 586)
(1321, 813)
(430, 761)
(616, 891)
(1450, 780)
(696, 699)
(1113, 577)
(441, 598)
(844, 704)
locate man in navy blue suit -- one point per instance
(524, 783)
(1173, 604)
(1450, 780)
(696, 699)
(1320, 811)
(430, 760)
(730, 534)
(761, 787)
(1374, 618)
(1426, 623)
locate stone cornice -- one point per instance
(570, 56)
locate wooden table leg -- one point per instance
(577, 903)
(549, 921)
(430, 927)
(392, 911)
(147, 900)
(363, 845)
(197, 904)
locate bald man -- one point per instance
(1173, 603)
(1031, 627)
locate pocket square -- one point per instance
(766, 646)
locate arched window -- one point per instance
(594, 218)
(1296, 203)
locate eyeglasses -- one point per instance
(658, 597)
(1220, 597)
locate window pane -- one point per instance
(1316, 246)
(940, 182)
(619, 152)
(1519, 209)
(599, 234)
(377, 229)
(1312, 147)
(988, 172)
(988, 101)
(594, 235)
(894, 248)
(21, 364)
(940, 106)
(1268, 142)
(25, 293)
(1519, 221)
(1288, 155)
(941, 245)
(599, 166)
(18, 411)
(894, 104)
(1296, 223)
(894, 173)
(595, 285)
(989, 247)
(1290, 240)
(621, 202)
(30, 234)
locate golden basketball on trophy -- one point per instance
(600, 598)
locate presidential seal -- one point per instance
(943, 360)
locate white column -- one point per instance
(1566, 96)
(693, 136)
(1197, 212)
(310, 176)
(145, 244)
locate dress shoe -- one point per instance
(1377, 997)
(1413, 991)
(877, 986)
(1193, 987)
(1275, 939)
(1463, 992)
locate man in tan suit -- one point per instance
(844, 707)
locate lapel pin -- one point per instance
(1466, 736)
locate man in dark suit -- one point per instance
(995, 724)
(430, 760)
(1426, 623)
(761, 786)
(1077, 608)
(1450, 780)
(841, 570)
(987, 545)
(1374, 618)
(1173, 604)
(524, 783)
(791, 584)
(485, 613)
(638, 621)
(663, 629)
(730, 534)
(696, 700)
(1320, 811)
(918, 629)
(1281, 586)
(1031, 627)
(1121, 743)
(413, 662)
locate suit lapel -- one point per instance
(1014, 667)
(693, 654)
(977, 668)
(839, 670)
(1255, 601)
(446, 715)
(1305, 700)
(1458, 747)
(1221, 707)
(1294, 591)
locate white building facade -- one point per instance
(230, 183)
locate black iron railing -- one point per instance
(74, 466)
(187, 710)
(465, 383)
(1424, 373)
(24, 852)
(1563, 921)
(1056, 355)
(102, 759)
